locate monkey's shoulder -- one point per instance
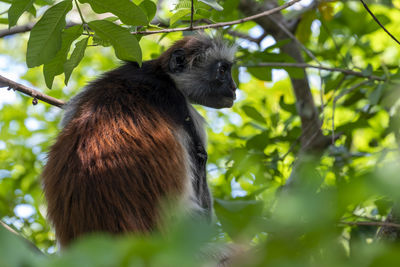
(148, 83)
(134, 91)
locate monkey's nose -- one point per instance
(233, 86)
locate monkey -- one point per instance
(131, 139)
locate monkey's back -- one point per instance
(117, 156)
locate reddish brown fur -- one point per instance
(107, 169)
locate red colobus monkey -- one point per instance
(131, 139)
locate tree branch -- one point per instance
(223, 24)
(387, 224)
(17, 29)
(305, 65)
(25, 28)
(4, 82)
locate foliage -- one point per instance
(252, 148)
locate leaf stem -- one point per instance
(80, 14)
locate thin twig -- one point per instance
(241, 35)
(84, 24)
(291, 36)
(388, 224)
(305, 65)
(223, 24)
(351, 89)
(80, 12)
(4, 82)
(191, 15)
(334, 108)
(377, 21)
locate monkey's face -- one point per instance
(208, 83)
(221, 91)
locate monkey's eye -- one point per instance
(221, 70)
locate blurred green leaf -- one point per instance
(291, 108)
(178, 15)
(261, 73)
(18, 7)
(212, 3)
(236, 215)
(253, 113)
(303, 31)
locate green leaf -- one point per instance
(13, 250)
(303, 31)
(253, 113)
(55, 66)
(17, 8)
(3, 21)
(126, 46)
(44, 2)
(75, 58)
(125, 10)
(213, 4)
(295, 73)
(183, 4)
(368, 70)
(288, 107)
(32, 10)
(178, 15)
(201, 13)
(45, 38)
(261, 73)
(150, 8)
(259, 141)
(376, 95)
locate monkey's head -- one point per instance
(201, 69)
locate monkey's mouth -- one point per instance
(229, 100)
(231, 94)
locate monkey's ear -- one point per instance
(177, 61)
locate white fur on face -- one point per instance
(218, 49)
